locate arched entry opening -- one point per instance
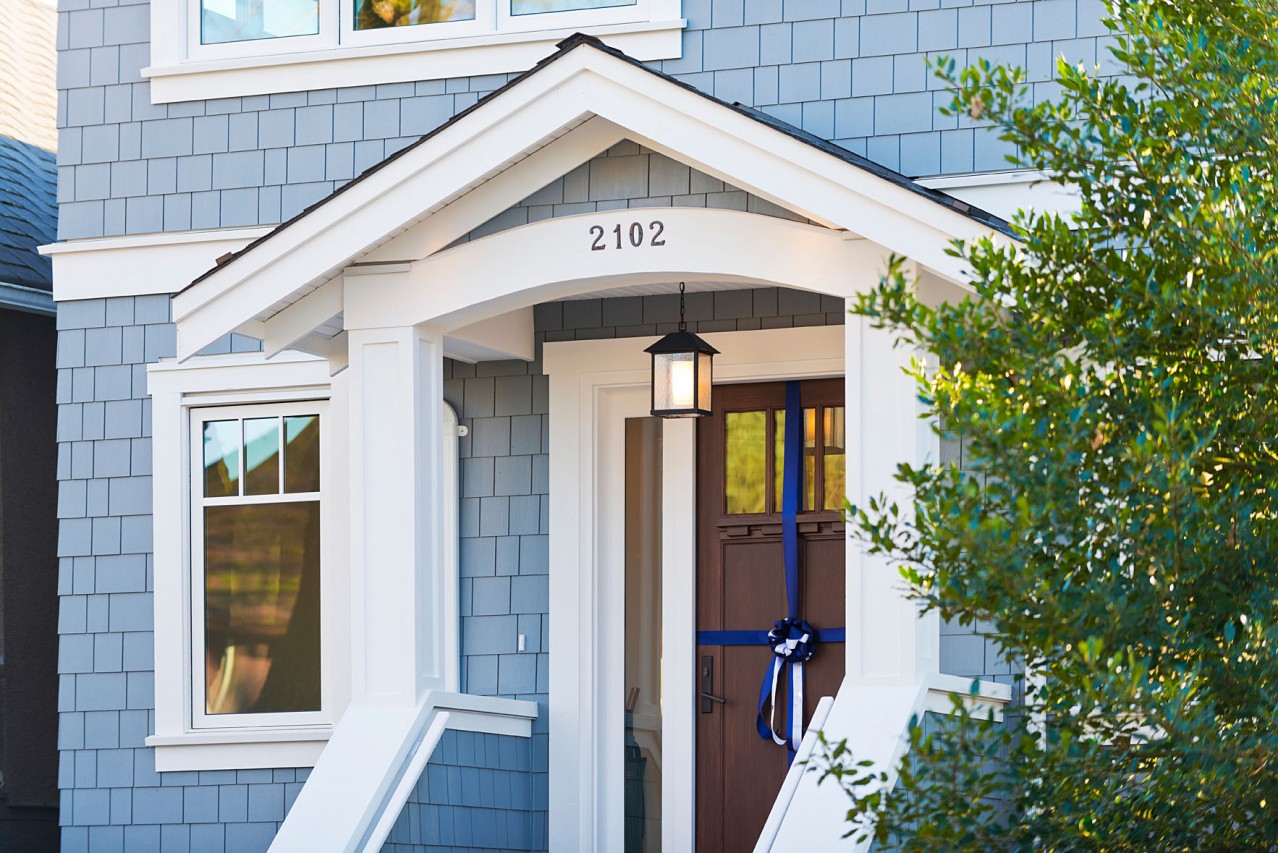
(594, 388)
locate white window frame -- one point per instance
(344, 11)
(199, 416)
(585, 18)
(193, 23)
(181, 393)
(177, 390)
(495, 42)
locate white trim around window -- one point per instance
(494, 42)
(235, 387)
(185, 738)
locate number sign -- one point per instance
(633, 236)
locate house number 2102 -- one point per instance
(636, 235)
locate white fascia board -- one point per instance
(688, 127)
(141, 264)
(497, 53)
(678, 122)
(237, 373)
(29, 300)
(458, 157)
(443, 227)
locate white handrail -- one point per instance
(372, 761)
(795, 774)
(394, 804)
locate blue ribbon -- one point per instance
(792, 640)
(760, 638)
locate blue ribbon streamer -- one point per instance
(792, 640)
(760, 638)
(791, 489)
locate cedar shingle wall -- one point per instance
(851, 71)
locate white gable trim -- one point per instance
(527, 117)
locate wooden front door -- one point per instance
(741, 586)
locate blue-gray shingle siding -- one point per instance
(849, 71)
(845, 72)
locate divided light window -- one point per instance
(291, 25)
(256, 559)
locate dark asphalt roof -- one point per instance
(28, 213)
(578, 40)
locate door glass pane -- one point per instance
(834, 456)
(262, 608)
(809, 459)
(746, 461)
(225, 21)
(301, 454)
(262, 456)
(377, 14)
(643, 636)
(221, 459)
(536, 7)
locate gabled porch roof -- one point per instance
(568, 108)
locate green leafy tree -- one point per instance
(1113, 379)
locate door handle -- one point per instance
(707, 685)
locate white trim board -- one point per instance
(250, 378)
(495, 53)
(139, 265)
(594, 386)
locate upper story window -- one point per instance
(203, 49)
(236, 28)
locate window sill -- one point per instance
(261, 749)
(240, 750)
(498, 53)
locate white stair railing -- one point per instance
(797, 768)
(394, 804)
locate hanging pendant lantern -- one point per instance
(682, 372)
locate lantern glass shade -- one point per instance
(682, 376)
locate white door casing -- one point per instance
(594, 386)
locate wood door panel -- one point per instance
(741, 586)
(753, 588)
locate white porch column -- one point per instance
(396, 411)
(888, 643)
